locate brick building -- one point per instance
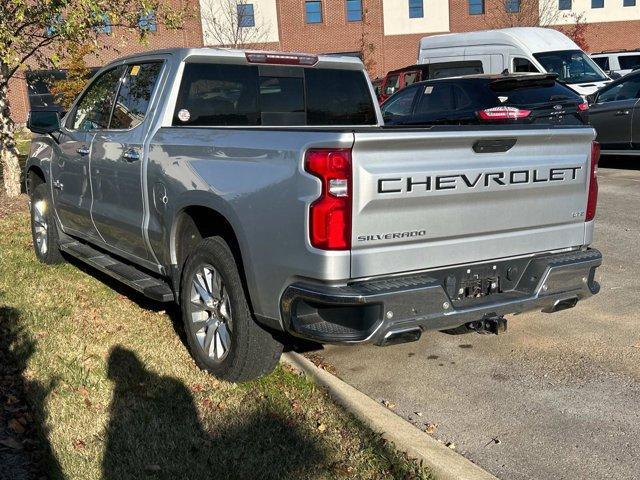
(385, 33)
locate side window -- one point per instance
(455, 69)
(400, 104)
(434, 99)
(629, 62)
(134, 95)
(217, 94)
(622, 91)
(392, 84)
(603, 63)
(410, 78)
(523, 65)
(94, 109)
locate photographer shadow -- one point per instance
(155, 431)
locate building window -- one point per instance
(628, 3)
(53, 27)
(354, 10)
(416, 8)
(597, 3)
(245, 15)
(313, 11)
(564, 4)
(147, 22)
(104, 25)
(512, 6)
(476, 7)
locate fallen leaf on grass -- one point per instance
(152, 468)
(451, 445)
(16, 426)
(78, 444)
(11, 443)
(322, 428)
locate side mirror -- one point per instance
(44, 121)
(613, 75)
(591, 99)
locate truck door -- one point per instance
(72, 194)
(116, 162)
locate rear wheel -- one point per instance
(222, 335)
(44, 230)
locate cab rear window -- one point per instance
(250, 95)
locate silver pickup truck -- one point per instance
(263, 193)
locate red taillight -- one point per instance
(503, 113)
(330, 214)
(592, 199)
(281, 58)
(583, 106)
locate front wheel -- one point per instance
(222, 335)
(44, 230)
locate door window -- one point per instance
(629, 62)
(410, 78)
(134, 95)
(94, 109)
(400, 104)
(523, 65)
(393, 82)
(603, 63)
(621, 91)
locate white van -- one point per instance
(520, 49)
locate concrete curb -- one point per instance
(443, 462)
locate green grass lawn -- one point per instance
(118, 397)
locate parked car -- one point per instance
(396, 80)
(487, 99)
(262, 192)
(617, 63)
(615, 114)
(517, 50)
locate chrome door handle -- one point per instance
(83, 150)
(622, 112)
(131, 155)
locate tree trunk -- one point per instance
(8, 150)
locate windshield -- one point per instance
(572, 66)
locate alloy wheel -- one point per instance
(40, 226)
(210, 311)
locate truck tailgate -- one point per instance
(425, 199)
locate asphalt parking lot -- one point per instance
(557, 396)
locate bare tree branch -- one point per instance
(223, 26)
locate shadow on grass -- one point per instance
(24, 451)
(154, 430)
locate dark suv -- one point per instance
(481, 99)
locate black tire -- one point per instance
(252, 351)
(44, 230)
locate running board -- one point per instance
(151, 287)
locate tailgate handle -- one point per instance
(494, 145)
